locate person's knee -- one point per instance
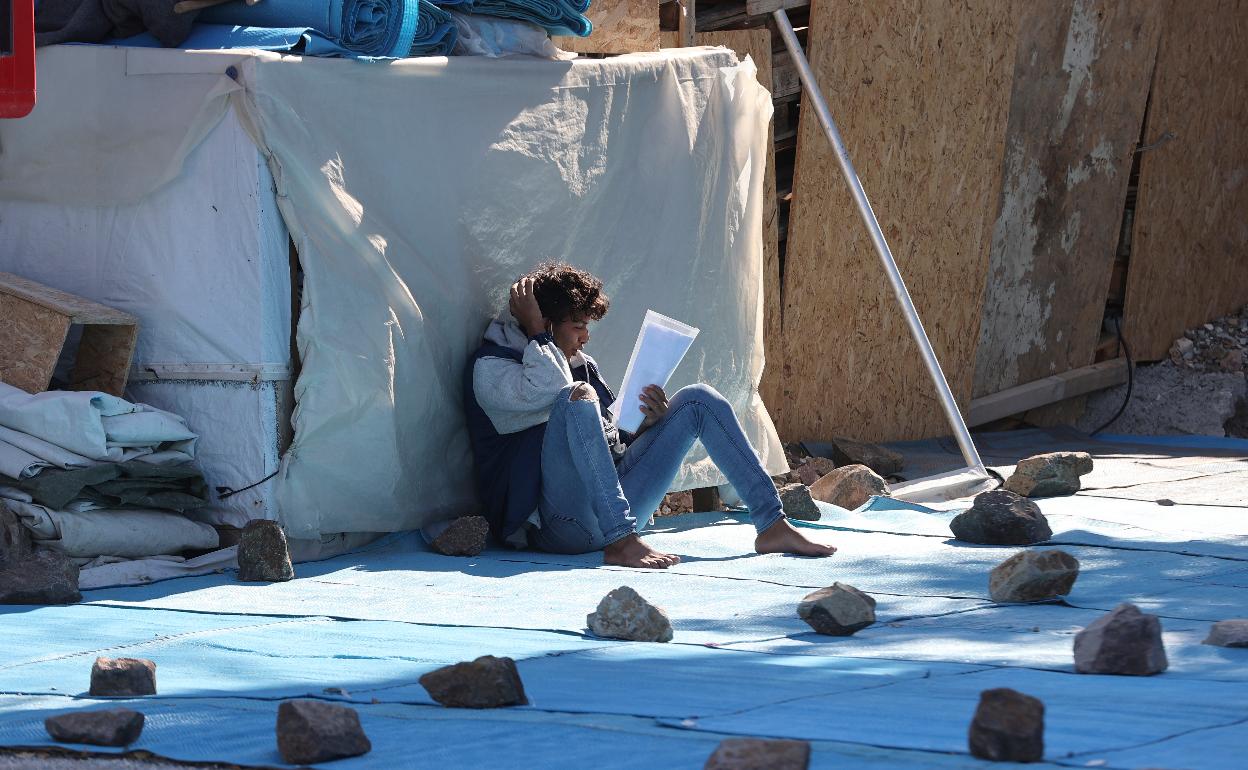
(583, 391)
(700, 392)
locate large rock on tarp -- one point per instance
(838, 610)
(797, 503)
(759, 754)
(1033, 576)
(485, 683)
(1001, 517)
(1049, 474)
(1008, 727)
(263, 554)
(311, 731)
(464, 536)
(1228, 633)
(882, 460)
(849, 487)
(123, 676)
(1126, 642)
(15, 543)
(111, 727)
(42, 577)
(624, 614)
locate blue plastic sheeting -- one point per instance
(1146, 710)
(1037, 636)
(343, 27)
(214, 37)
(505, 739)
(1180, 442)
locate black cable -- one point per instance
(1126, 352)
(224, 492)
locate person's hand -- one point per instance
(524, 307)
(653, 406)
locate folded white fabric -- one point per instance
(113, 532)
(95, 425)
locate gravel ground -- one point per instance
(1169, 400)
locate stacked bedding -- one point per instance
(94, 475)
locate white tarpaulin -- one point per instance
(417, 191)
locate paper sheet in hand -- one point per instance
(660, 346)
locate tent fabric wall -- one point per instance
(414, 210)
(202, 260)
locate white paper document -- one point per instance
(660, 346)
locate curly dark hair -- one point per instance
(564, 292)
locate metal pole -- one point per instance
(947, 401)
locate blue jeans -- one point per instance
(588, 502)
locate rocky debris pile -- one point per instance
(1218, 346)
(812, 469)
(1125, 642)
(1033, 576)
(123, 676)
(465, 536)
(485, 683)
(110, 727)
(624, 614)
(882, 460)
(797, 502)
(1201, 388)
(30, 576)
(311, 731)
(838, 610)
(759, 754)
(849, 486)
(1008, 727)
(1001, 517)
(1228, 633)
(263, 555)
(675, 503)
(1050, 474)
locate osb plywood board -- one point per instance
(77, 309)
(103, 359)
(31, 343)
(920, 90)
(1081, 82)
(1189, 251)
(620, 26)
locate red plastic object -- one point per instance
(17, 58)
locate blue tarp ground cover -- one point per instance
(362, 628)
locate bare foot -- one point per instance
(632, 551)
(782, 537)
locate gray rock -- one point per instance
(1126, 642)
(113, 727)
(1001, 517)
(624, 614)
(310, 731)
(814, 469)
(15, 543)
(485, 683)
(42, 577)
(1049, 474)
(464, 537)
(1228, 633)
(1033, 576)
(849, 487)
(759, 754)
(123, 676)
(797, 503)
(1008, 727)
(263, 555)
(838, 610)
(882, 460)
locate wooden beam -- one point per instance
(1048, 390)
(688, 23)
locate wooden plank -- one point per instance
(77, 309)
(1080, 88)
(103, 359)
(32, 341)
(920, 90)
(784, 78)
(1189, 242)
(687, 23)
(620, 26)
(757, 44)
(1048, 390)
(759, 7)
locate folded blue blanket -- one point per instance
(435, 33)
(559, 17)
(346, 27)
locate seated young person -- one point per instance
(553, 470)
